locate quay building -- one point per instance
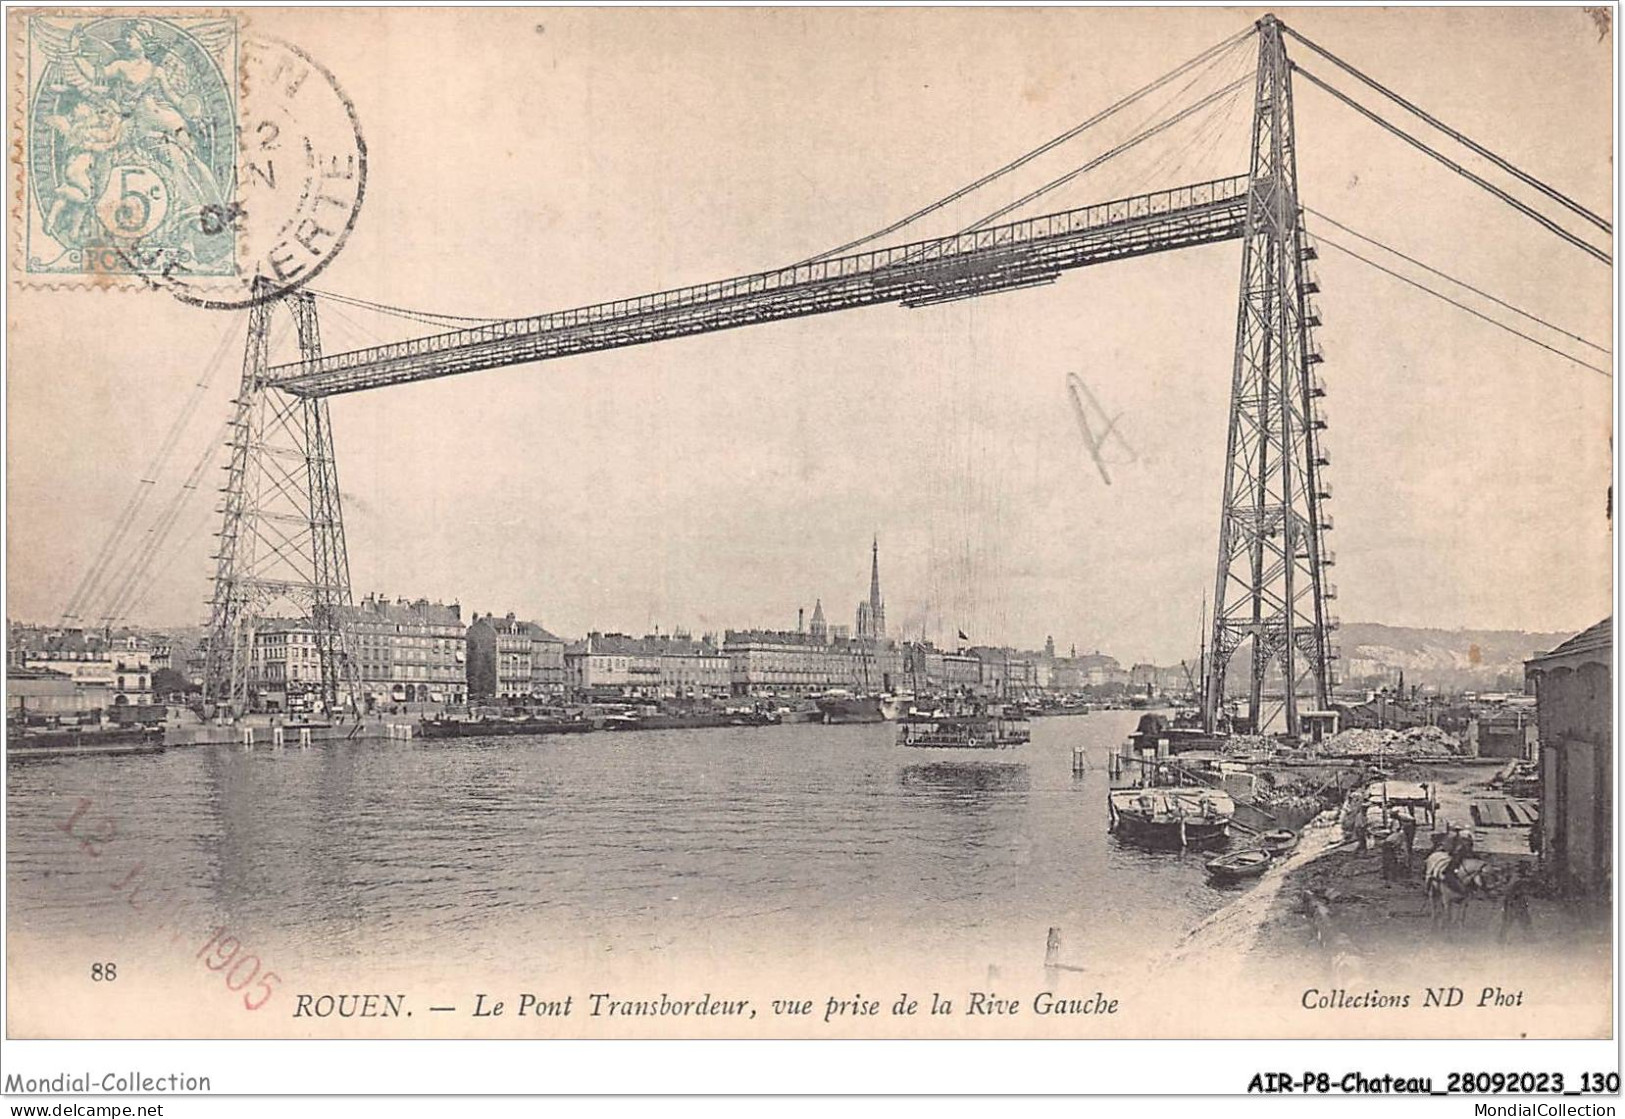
(510, 659)
(616, 666)
(817, 658)
(408, 652)
(1574, 692)
(983, 671)
(116, 665)
(782, 662)
(44, 697)
(404, 653)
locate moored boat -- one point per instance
(1155, 730)
(989, 727)
(1279, 841)
(73, 740)
(1238, 865)
(843, 707)
(692, 720)
(500, 727)
(1171, 815)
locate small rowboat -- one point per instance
(1241, 864)
(1278, 842)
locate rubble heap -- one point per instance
(1248, 745)
(1361, 742)
(1286, 794)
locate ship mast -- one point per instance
(1201, 646)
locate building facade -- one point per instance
(40, 696)
(122, 667)
(408, 652)
(1574, 700)
(509, 659)
(777, 662)
(657, 666)
(612, 666)
(692, 669)
(923, 666)
(285, 670)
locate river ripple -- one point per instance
(785, 844)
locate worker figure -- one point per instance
(1451, 875)
(1515, 906)
(1407, 828)
(1393, 855)
(1354, 821)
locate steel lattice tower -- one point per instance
(282, 526)
(1270, 590)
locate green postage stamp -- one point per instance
(130, 145)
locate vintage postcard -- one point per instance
(823, 523)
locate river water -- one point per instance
(794, 850)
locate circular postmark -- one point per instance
(301, 175)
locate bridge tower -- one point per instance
(281, 549)
(1271, 590)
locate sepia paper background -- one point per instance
(521, 161)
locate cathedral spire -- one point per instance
(877, 607)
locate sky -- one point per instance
(522, 161)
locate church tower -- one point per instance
(877, 607)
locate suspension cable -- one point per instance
(91, 583)
(123, 600)
(1324, 240)
(1549, 191)
(1023, 160)
(389, 309)
(1368, 239)
(1172, 165)
(1132, 141)
(431, 318)
(1521, 207)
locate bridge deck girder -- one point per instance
(1016, 254)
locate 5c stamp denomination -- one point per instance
(130, 145)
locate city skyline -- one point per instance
(940, 631)
(517, 453)
(713, 479)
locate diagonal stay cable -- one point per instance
(432, 318)
(92, 583)
(1217, 121)
(1549, 191)
(1462, 283)
(1521, 207)
(1324, 240)
(1132, 141)
(158, 532)
(940, 245)
(1169, 165)
(1023, 160)
(178, 548)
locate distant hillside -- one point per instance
(1485, 659)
